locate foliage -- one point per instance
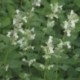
(39, 40)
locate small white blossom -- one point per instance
(46, 56)
(42, 66)
(21, 42)
(32, 30)
(50, 23)
(21, 30)
(24, 19)
(17, 11)
(9, 34)
(73, 17)
(33, 36)
(19, 19)
(32, 9)
(60, 45)
(56, 8)
(51, 50)
(37, 3)
(66, 25)
(68, 33)
(15, 35)
(31, 62)
(17, 22)
(68, 44)
(50, 40)
(50, 67)
(7, 67)
(32, 47)
(24, 60)
(19, 25)
(50, 45)
(71, 23)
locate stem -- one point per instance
(56, 75)
(45, 70)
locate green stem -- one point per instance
(45, 70)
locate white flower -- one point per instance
(32, 30)
(15, 35)
(32, 47)
(17, 11)
(66, 24)
(50, 23)
(50, 40)
(70, 24)
(50, 45)
(24, 60)
(21, 30)
(51, 50)
(37, 3)
(20, 25)
(50, 67)
(42, 66)
(32, 9)
(60, 45)
(56, 8)
(14, 21)
(46, 56)
(73, 24)
(68, 33)
(17, 22)
(24, 19)
(19, 19)
(68, 44)
(21, 42)
(73, 17)
(31, 62)
(9, 34)
(33, 36)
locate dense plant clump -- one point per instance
(39, 40)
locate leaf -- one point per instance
(5, 21)
(77, 2)
(35, 78)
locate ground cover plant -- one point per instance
(39, 40)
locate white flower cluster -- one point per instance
(42, 66)
(37, 3)
(50, 23)
(56, 9)
(49, 48)
(31, 61)
(50, 45)
(19, 19)
(27, 34)
(69, 24)
(62, 44)
(48, 67)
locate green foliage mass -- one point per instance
(12, 58)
